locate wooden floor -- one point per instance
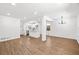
(32, 46)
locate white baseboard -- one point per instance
(64, 37)
(12, 38)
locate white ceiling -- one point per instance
(30, 10)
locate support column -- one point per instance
(44, 29)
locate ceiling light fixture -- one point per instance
(61, 20)
(24, 17)
(13, 4)
(8, 14)
(35, 13)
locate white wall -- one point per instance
(77, 33)
(9, 28)
(66, 30)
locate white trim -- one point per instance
(64, 37)
(10, 39)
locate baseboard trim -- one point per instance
(13, 38)
(63, 37)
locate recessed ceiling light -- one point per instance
(24, 17)
(13, 4)
(8, 14)
(35, 13)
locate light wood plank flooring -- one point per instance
(32, 46)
